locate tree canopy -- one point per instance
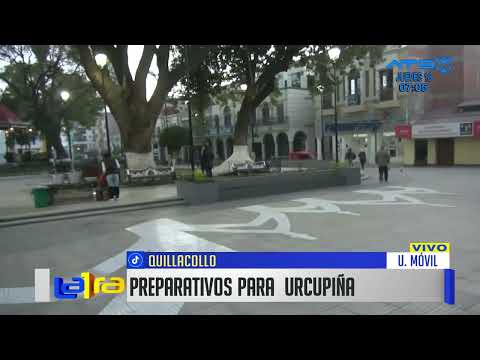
(35, 76)
(174, 137)
(125, 93)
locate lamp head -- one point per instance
(334, 53)
(65, 95)
(101, 60)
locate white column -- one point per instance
(214, 146)
(371, 149)
(275, 144)
(3, 147)
(334, 142)
(319, 148)
(377, 84)
(363, 89)
(346, 91)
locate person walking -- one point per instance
(382, 159)
(350, 156)
(362, 156)
(111, 168)
(207, 159)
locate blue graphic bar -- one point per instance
(257, 260)
(449, 286)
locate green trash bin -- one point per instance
(41, 197)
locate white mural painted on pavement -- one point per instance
(170, 235)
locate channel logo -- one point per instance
(86, 284)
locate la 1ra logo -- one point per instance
(87, 284)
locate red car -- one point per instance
(300, 155)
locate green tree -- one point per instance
(35, 76)
(352, 57)
(174, 137)
(126, 95)
(257, 67)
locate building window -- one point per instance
(280, 114)
(354, 90)
(367, 83)
(327, 101)
(217, 123)
(265, 113)
(386, 85)
(227, 114)
(296, 79)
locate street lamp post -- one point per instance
(65, 95)
(101, 60)
(192, 163)
(334, 54)
(321, 88)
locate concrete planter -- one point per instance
(75, 177)
(308, 164)
(57, 179)
(196, 193)
(222, 189)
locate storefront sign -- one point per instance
(476, 128)
(445, 130)
(359, 126)
(403, 131)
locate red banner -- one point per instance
(476, 128)
(403, 131)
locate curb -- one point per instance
(87, 210)
(174, 202)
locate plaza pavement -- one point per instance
(16, 199)
(72, 246)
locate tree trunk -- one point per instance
(138, 148)
(53, 139)
(245, 118)
(240, 153)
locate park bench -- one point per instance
(149, 176)
(68, 192)
(258, 167)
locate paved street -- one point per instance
(419, 204)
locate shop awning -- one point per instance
(403, 131)
(9, 119)
(358, 126)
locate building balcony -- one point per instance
(353, 100)
(273, 120)
(277, 127)
(327, 102)
(221, 131)
(386, 94)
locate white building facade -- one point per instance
(284, 122)
(369, 107)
